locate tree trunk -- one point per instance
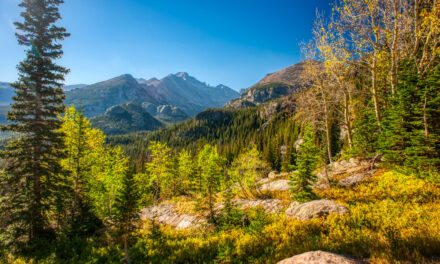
(393, 75)
(347, 118)
(374, 90)
(37, 214)
(425, 118)
(126, 252)
(329, 143)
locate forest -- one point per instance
(371, 92)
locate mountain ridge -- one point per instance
(179, 90)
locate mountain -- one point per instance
(3, 110)
(125, 118)
(188, 93)
(176, 90)
(272, 86)
(166, 113)
(95, 99)
(6, 93)
(73, 87)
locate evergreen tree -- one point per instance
(301, 182)
(34, 174)
(187, 171)
(127, 211)
(403, 140)
(160, 169)
(211, 165)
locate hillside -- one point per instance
(95, 99)
(125, 118)
(272, 86)
(267, 126)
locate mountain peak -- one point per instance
(183, 75)
(126, 76)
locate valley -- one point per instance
(333, 159)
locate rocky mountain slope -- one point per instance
(274, 85)
(125, 118)
(175, 90)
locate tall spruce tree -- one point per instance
(33, 172)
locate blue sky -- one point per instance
(233, 42)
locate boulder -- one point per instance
(315, 209)
(277, 185)
(165, 214)
(319, 257)
(270, 206)
(355, 179)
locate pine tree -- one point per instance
(34, 174)
(127, 211)
(301, 182)
(403, 140)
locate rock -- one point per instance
(355, 179)
(272, 174)
(354, 161)
(165, 214)
(270, 206)
(277, 185)
(319, 257)
(298, 143)
(315, 209)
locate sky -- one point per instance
(232, 42)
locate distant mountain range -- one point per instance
(124, 104)
(7, 91)
(171, 99)
(182, 92)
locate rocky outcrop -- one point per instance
(275, 85)
(165, 214)
(315, 209)
(319, 257)
(354, 168)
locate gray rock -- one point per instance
(165, 214)
(277, 185)
(355, 179)
(270, 206)
(315, 209)
(319, 257)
